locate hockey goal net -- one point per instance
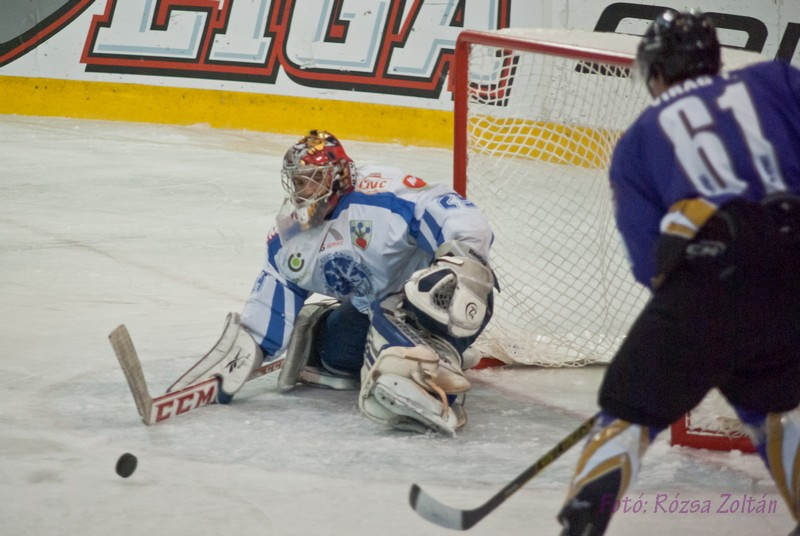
(537, 115)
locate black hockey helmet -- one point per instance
(679, 46)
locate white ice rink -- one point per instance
(162, 228)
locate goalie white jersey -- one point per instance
(378, 235)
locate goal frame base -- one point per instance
(682, 434)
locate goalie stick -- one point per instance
(158, 409)
(454, 518)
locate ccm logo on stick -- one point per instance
(186, 400)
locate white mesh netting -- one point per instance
(541, 129)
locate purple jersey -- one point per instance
(714, 138)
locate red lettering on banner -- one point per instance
(400, 49)
(245, 41)
(28, 38)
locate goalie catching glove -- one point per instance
(452, 297)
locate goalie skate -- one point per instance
(413, 412)
(409, 381)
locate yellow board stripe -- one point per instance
(225, 109)
(517, 138)
(546, 141)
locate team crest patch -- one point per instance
(344, 277)
(360, 233)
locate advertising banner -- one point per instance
(295, 56)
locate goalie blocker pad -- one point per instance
(233, 358)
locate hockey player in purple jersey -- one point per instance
(705, 186)
(404, 265)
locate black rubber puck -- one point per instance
(126, 465)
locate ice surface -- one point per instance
(162, 228)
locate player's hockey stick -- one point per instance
(454, 518)
(161, 408)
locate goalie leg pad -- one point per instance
(398, 392)
(404, 405)
(301, 343)
(233, 358)
(423, 358)
(405, 382)
(608, 464)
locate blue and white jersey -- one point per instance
(380, 233)
(708, 139)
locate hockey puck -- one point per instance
(126, 465)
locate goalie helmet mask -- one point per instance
(679, 46)
(316, 173)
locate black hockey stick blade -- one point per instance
(453, 518)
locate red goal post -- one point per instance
(537, 113)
